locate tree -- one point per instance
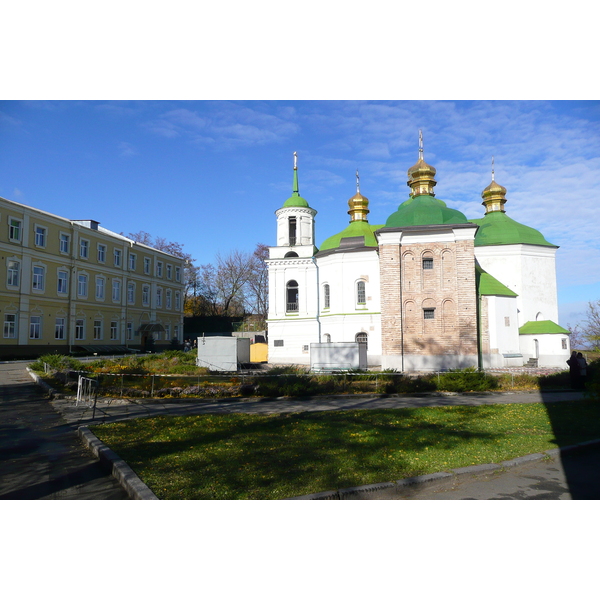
(576, 337)
(591, 326)
(258, 283)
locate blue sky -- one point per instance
(210, 174)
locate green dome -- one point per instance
(424, 210)
(356, 229)
(498, 228)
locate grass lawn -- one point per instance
(237, 456)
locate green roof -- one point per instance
(498, 228)
(540, 327)
(356, 229)
(424, 210)
(487, 285)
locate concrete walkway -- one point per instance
(41, 456)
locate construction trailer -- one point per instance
(222, 353)
(338, 356)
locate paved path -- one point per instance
(41, 456)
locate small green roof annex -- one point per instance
(356, 229)
(541, 327)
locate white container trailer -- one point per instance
(222, 353)
(337, 356)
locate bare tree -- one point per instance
(576, 337)
(231, 278)
(591, 326)
(258, 283)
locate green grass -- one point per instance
(239, 456)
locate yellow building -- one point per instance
(72, 286)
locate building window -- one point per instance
(129, 331)
(101, 253)
(169, 271)
(292, 296)
(146, 295)
(59, 328)
(35, 328)
(64, 243)
(14, 230)
(167, 332)
(326, 296)
(427, 264)
(361, 297)
(82, 286)
(62, 282)
(429, 313)
(97, 329)
(278, 343)
(131, 292)
(177, 301)
(327, 338)
(159, 268)
(146, 266)
(116, 290)
(38, 279)
(13, 268)
(40, 236)
(117, 254)
(100, 287)
(362, 338)
(84, 249)
(10, 326)
(564, 343)
(168, 295)
(114, 329)
(292, 230)
(132, 261)
(79, 329)
(159, 298)
(178, 274)
(507, 321)
(176, 332)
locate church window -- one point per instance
(362, 338)
(291, 255)
(361, 297)
(292, 296)
(429, 313)
(326, 297)
(507, 321)
(327, 338)
(427, 264)
(292, 230)
(564, 343)
(278, 343)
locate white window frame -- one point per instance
(38, 279)
(131, 292)
(146, 295)
(35, 327)
(82, 285)
(10, 326)
(168, 299)
(132, 261)
(64, 242)
(159, 268)
(361, 292)
(64, 279)
(80, 329)
(114, 330)
(40, 235)
(177, 301)
(13, 274)
(116, 290)
(159, 294)
(178, 274)
(129, 333)
(84, 248)
(60, 328)
(169, 272)
(100, 287)
(147, 265)
(15, 229)
(117, 257)
(101, 253)
(98, 326)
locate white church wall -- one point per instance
(504, 333)
(529, 271)
(547, 348)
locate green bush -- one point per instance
(467, 380)
(59, 362)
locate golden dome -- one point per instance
(494, 195)
(359, 207)
(421, 175)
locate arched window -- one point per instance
(362, 338)
(326, 297)
(292, 230)
(326, 338)
(292, 296)
(291, 255)
(361, 297)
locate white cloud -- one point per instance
(126, 149)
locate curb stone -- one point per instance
(120, 470)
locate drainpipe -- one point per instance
(401, 311)
(318, 298)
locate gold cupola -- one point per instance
(421, 175)
(359, 204)
(494, 195)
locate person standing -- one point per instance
(582, 370)
(573, 363)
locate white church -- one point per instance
(428, 290)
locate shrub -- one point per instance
(467, 380)
(59, 362)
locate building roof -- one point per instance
(295, 199)
(358, 233)
(487, 285)
(424, 210)
(541, 327)
(498, 228)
